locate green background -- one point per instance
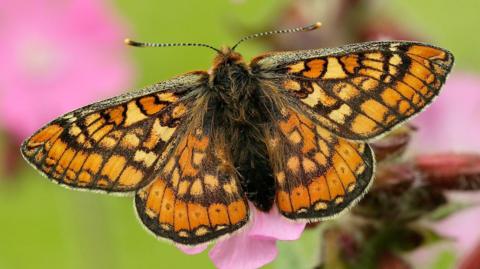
(45, 226)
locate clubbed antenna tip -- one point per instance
(132, 43)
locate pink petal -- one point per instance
(274, 225)
(255, 246)
(462, 228)
(242, 251)
(57, 56)
(451, 122)
(462, 231)
(192, 250)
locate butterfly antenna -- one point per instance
(146, 44)
(285, 31)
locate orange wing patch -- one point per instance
(317, 173)
(197, 196)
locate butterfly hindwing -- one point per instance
(317, 173)
(113, 145)
(196, 196)
(360, 91)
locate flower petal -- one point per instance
(255, 246)
(242, 251)
(451, 122)
(192, 250)
(462, 228)
(274, 225)
(75, 60)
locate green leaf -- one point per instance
(303, 253)
(447, 210)
(445, 260)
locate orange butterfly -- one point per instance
(289, 129)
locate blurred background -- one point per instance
(58, 55)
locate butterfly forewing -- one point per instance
(113, 145)
(317, 173)
(360, 91)
(196, 196)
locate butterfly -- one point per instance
(288, 130)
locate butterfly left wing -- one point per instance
(358, 91)
(317, 173)
(114, 145)
(196, 196)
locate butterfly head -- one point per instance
(229, 75)
(227, 56)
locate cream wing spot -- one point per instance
(339, 115)
(158, 132)
(211, 182)
(324, 98)
(313, 99)
(74, 130)
(196, 188)
(179, 110)
(91, 118)
(346, 91)
(146, 158)
(295, 137)
(198, 157)
(334, 69)
(168, 96)
(293, 164)
(320, 159)
(280, 176)
(292, 85)
(395, 59)
(295, 68)
(374, 56)
(133, 114)
(169, 166)
(175, 177)
(308, 165)
(230, 187)
(183, 187)
(130, 141)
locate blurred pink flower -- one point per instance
(56, 56)
(254, 246)
(462, 233)
(451, 123)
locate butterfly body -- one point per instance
(288, 130)
(241, 110)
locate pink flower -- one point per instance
(461, 231)
(254, 246)
(56, 56)
(452, 124)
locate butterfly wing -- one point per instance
(359, 91)
(196, 196)
(317, 173)
(113, 145)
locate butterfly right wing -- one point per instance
(359, 91)
(317, 173)
(114, 145)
